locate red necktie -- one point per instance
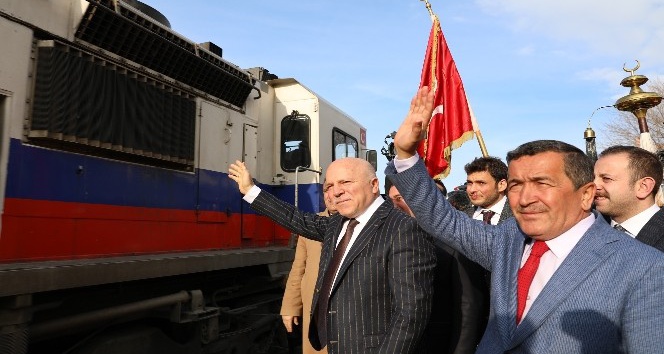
(526, 275)
(320, 312)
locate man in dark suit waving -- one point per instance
(373, 293)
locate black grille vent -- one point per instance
(86, 104)
(140, 40)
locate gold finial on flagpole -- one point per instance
(637, 101)
(426, 2)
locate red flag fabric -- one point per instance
(451, 124)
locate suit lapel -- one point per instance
(507, 324)
(506, 213)
(652, 231)
(586, 256)
(329, 243)
(368, 232)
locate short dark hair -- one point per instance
(642, 163)
(459, 200)
(388, 185)
(578, 166)
(496, 168)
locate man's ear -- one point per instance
(644, 187)
(375, 186)
(587, 195)
(502, 185)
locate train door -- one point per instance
(214, 145)
(250, 147)
(4, 137)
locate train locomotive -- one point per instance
(120, 230)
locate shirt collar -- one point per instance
(367, 214)
(634, 224)
(562, 245)
(496, 208)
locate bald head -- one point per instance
(358, 165)
(351, 185)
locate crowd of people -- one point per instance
(552, 254)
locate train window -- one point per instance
(343, 145)
(295, 138)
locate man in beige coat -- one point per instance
(300, 285)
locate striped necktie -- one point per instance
(620, 228)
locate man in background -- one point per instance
(486, 185)
(486, 182)
(627, 179)
(296, 304)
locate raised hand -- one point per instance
(238, 172)
(414, 127)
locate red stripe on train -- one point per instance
(46, 230)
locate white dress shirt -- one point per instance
(362, 220)
(496, 208)
(559, 247)
(634, 224)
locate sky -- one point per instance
(531, 69)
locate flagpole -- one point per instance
(426, 2)
(480, 140)
(476, 126)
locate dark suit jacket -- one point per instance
(461, 303)
(461, 299)
(652, 232)
(381, 298)
(506, 213)
(604, 298)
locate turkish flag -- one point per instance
(451, 124)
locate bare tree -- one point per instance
(623, 129)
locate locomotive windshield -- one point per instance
(295, 138)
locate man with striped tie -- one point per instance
(374, 287)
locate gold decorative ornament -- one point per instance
(637, 101)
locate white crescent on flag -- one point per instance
(438, 110)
